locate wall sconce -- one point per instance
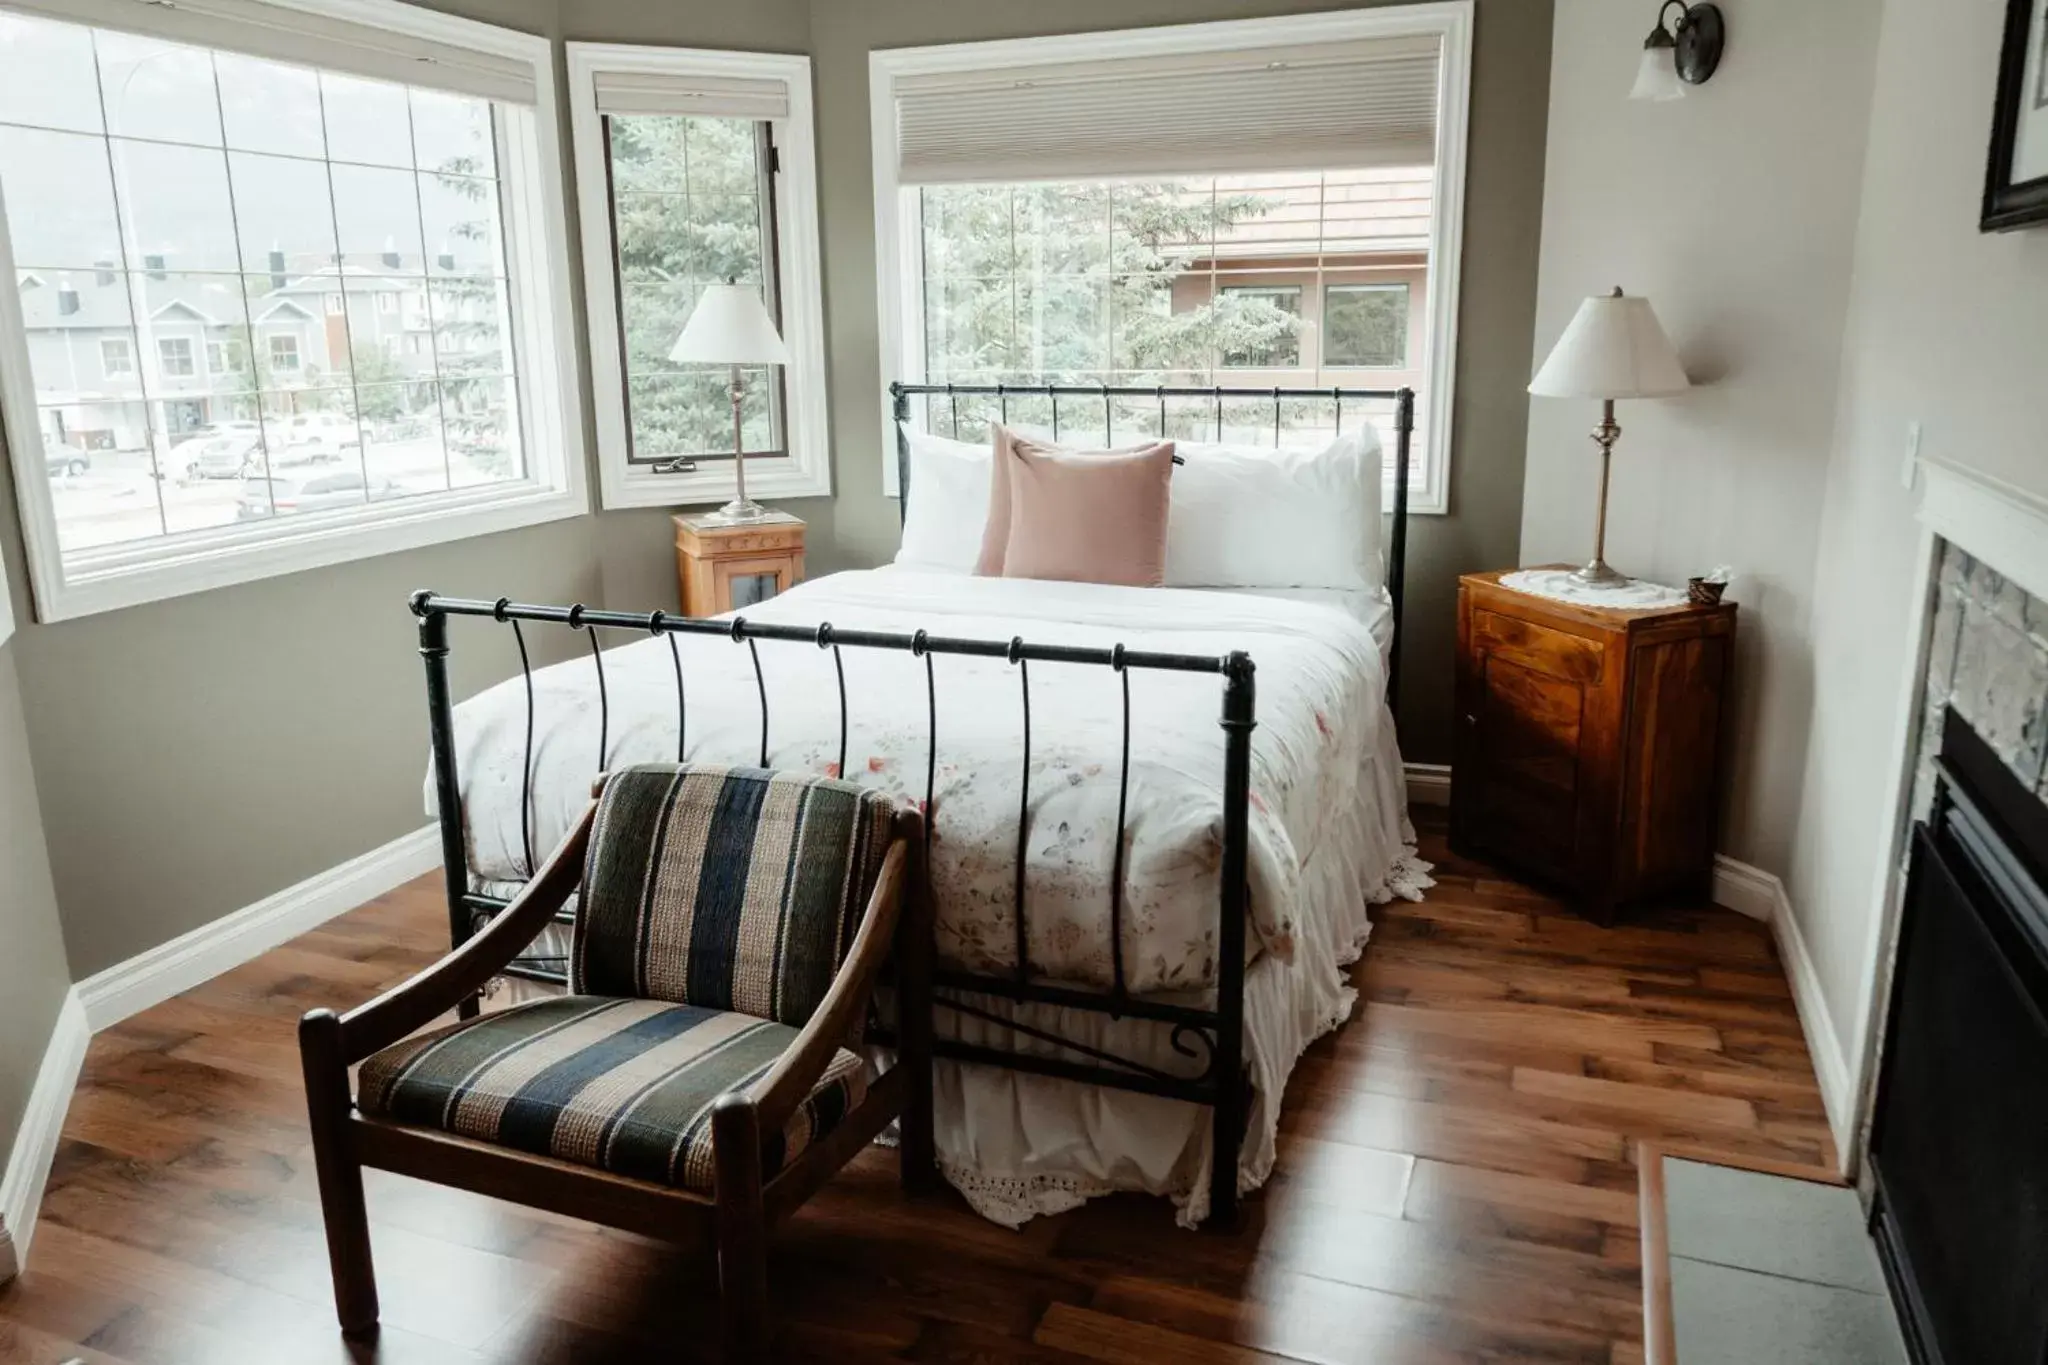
(1680, 52)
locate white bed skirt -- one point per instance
(1019, 1145)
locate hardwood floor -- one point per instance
(1455, 1182)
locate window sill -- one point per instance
(784, 478)
(140, 575)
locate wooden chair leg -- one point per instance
(742, 1231)
(341, 1176)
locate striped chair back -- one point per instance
(726, 888)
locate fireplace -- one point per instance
(1959, 1138)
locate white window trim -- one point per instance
(549, 400)
(897, 229)
(807, 472)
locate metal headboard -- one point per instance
(1403, 400)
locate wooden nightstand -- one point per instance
(727, 567)
(1587, 742)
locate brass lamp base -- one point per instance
(1599, 573)
(738, 512)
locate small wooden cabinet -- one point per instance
(732, 567)
(1588, 742)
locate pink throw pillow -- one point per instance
(995, 532)
(1088, 518)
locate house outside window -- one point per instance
(175, 356)
(290, 161)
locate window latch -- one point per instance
(681, 464)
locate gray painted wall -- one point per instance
(198, 754)
(33, 972)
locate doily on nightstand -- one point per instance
(1558, 585)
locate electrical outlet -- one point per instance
(1909, 472)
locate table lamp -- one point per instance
(730, 327)
(1613, 349)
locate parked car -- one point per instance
(289, 493)
(320, 431)
(60, 460)
(224, 457)
(250, 428)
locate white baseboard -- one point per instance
(152, 977)
(42, 1123)
(1761, 895)
(1746, 890)
(106, 998)
(1429, 784)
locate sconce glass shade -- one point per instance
(1657, 76)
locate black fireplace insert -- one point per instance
(1959, 1142)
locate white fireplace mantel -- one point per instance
(2006, 528)
(2003, 526)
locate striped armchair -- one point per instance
(701, 1078)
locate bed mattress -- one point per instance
(1319, 682)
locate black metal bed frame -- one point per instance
(1212, 1036)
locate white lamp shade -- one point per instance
(1657, 76)
(1614, 348)
(729, 327)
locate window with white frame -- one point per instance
(694, 168)
(174, 354)
(1267, 202)
(259, 181)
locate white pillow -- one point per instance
(948, 503)
(1255, 517)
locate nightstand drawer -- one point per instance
(1539, 648)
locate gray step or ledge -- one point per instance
(1758, 1267)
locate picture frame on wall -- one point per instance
(2016, 181)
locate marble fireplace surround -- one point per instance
(1982, 627)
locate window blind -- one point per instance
(650, 92)
(285, 34)
(1341, 105)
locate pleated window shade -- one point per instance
(283, 34)
(642, 92)
(1370, 102)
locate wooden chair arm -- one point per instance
(416, 1002)
(776, 1095)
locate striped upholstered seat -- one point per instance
(625, 1086)
(727, 888)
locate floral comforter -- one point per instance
(1319, 684)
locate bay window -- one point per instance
(228, 181)
(1248, 204)
(696, 168)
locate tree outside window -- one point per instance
(1279, 350)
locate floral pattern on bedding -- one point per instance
(1318, 686)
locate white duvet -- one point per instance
(1328, 824)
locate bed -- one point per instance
(1135, 904)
